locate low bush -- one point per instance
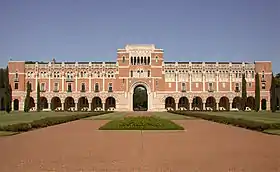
(252, 125)
(48, 121)
(141, 123)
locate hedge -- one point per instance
(238, 122)
(48, 121)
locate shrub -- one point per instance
(20, 127)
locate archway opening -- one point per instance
(184, 103)
(83, 104)
(250, 103)
(237, 103)
(210, 103)
(277, 103)
(263, 104)
(69, 103)
(197, 103)
(55, 103)
(16, 105)
(2, 104)
(110, 103)
(32, 104)
(170, 103)
(43, 103)
(224, 103)
(96, 104)
(140, 98)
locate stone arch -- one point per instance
(170, 103)
(263, 104)
(16, 105)
(250, 102)
(32, 103)
(140, 98)
(55, 103)
(69, 103)
(82, 103)
(237, 103)
(224, 103)
(210, 103)
(132, 88)
(184, 103)
(96, 103)
(197, 103)
(43, 103)
(110, 103)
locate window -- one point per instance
(169, 85)
(210, 86)
(110, 89)
(183, 86)
(263, 76)
(96, 87)
(149, 73)
(263, 85)
(250, 84)
(16, 86)
(123, 59)
(16, 75)
(69, 87)
(131, 73)
(253, 74)
(55, 86)
(83, 89)
(196, 85)
(156, 59)
(156, 82)
(224, 85)
(42, 87)
(123, 81)
(237, 87)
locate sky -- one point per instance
(187, 30)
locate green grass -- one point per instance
(109, 116)
(7, 133)
(170, 116)
(141, 123)
(274, 132)
(21, 117)
(266, 117)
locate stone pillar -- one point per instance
(217, 106)
(230, 105)
(62, 85)
(230, 88)
(12, 105)
(190, 105)
(177, 106)
(49, 106)
(176, 80)
(190, 82)
(76, 106)
(203, 108)
(76, 82)
(89, 83)
(89, 106)
(203, 81)
(103, 106)
(62, 105)
(217, 82)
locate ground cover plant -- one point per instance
(47, 121)
(141, 123)
(256, 125)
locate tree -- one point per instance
(244, 92)
(257, 92)
(277, 80)
(8, 91)
(27, 98)
(2, 78)
(38, 97)
(273, 94)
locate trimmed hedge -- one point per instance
(48, 121)
(141, 123)
(238, 122)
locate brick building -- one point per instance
(111, 85)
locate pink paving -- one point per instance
(79, 146)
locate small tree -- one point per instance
(273, 94)
(257, 92)
(38, 97)
(27, 98)
(244, 92)
(2, 78)
(8, 91)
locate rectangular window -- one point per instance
(183, 86)
(196, 85)
(169, 85)
(149, 73)
(224, 85)
(96, 87)
(16, 86)
(110, 89)
(131, 73)
(123, 59)
(55, 86)
(69, 87)
(42, 88)
(263, 85)
(250, 84)
(83, 87)
(237, 87)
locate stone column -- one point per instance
(176, 80)
(177, 106)
(190, 106)
(203, 108)
(89, 106)
(230, 88)
(217, 106)
(190, 82)
(217, 82)
(76, 86)
(203, 81)
(49, 106)
(62, 84)
(103, 106)
(76, 106)
(12, 105)
(62, 105)
(230, 105)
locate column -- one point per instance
(12, 105)
(176, 80)
(217, 106)
(36, 85)
(62, 81)
(230, 105)
(89, 83)
(62, 105)
(203, 108)
(177, 106)
(103, 106)
(49, 82)
(89, 106)
(203, 81)
(76, 106)
(190, 105)
(76, 82)
(217, 82)
(49, 106)
(190, 82)
(230, 88)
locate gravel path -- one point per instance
(79, 146)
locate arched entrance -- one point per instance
(96, 104)
(140, 98)
(55, 103)
(16, 105)
(110, 103)
(224, 103)
(263, 104)
(2, 104)
(170, 103)
(43, 103)
(183, 103)
(197, 103)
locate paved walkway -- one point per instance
(79, 146)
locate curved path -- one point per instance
(79, 146)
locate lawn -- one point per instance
(141, 123)
(21, 117)
(109, 116)
(266, 117)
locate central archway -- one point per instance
(140, 98)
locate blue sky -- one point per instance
(188, 30)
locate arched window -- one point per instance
(149, 73)
(96, 87)
(131, 60)
(142, 61)
(145, 60)
(156, 59)
(123, 59)
(83, 89)
(131, 73)
(138, 60)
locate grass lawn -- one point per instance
(20, 117)
(170, 116)
(109, 116)
(7, 133)
(266, 117)
(141, 123)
